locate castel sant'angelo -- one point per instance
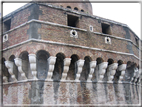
(60, 54)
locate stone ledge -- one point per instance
(71, 45)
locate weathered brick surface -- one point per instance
(20, 18)
(49, 92)
(67, 51)
(16, 36)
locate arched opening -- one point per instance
(5, 70)
(76, 8)
(71, 75)
(58, 70)
(25, 64)
(15, 68)
(99, 60)
(86, 68)
(42, 57)
(69, 7)
(110, 61)
(120, 62)
(82, 10)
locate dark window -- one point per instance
(76, 8)
(7, 25)
(82, 10)
(106, 28)
(72, 21)
(137, 41)
(68, 7)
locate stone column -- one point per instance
(92, 67)
(10, 65)
(101, 70)
(66, 68)
(121, 69)
(32, 61)
(111, 71)
(18, 62)
(51, 62)
(80, 64)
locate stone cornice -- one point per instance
(71, 45)
(55, 24)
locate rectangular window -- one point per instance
(7, 25)
(73, 21)
(106, 28)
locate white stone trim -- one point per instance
(121, 69)
(72, 45)
(111, 70)
(92, 68)
(66, 68)
(51, 62)
(10, 65)
(18, 63)
(32, 61)
(80, 64)
(55, 24)
(101, 70)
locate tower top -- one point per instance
(78, 5)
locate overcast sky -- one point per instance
(127, 13)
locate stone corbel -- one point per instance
(32, 61)
(136, 72)
(80, 64)
(102, 69)
(137, 75)
(51, 62)
(18, 62)
(111, 71)
(66, 68)
(10, 65)
(121, 69)
(92, 67)
(5, 80)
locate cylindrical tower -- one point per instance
(78, 5)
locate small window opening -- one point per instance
(137, 41)
(91, 28)
(72, 21)
(107, 40)
(68, 7)
(7, 25)
(106, 29)
(76, 8)
(82, 10)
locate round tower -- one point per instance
(77, 5)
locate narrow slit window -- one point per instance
(106, 28)
(73, 21)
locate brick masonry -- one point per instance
(41, 24)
